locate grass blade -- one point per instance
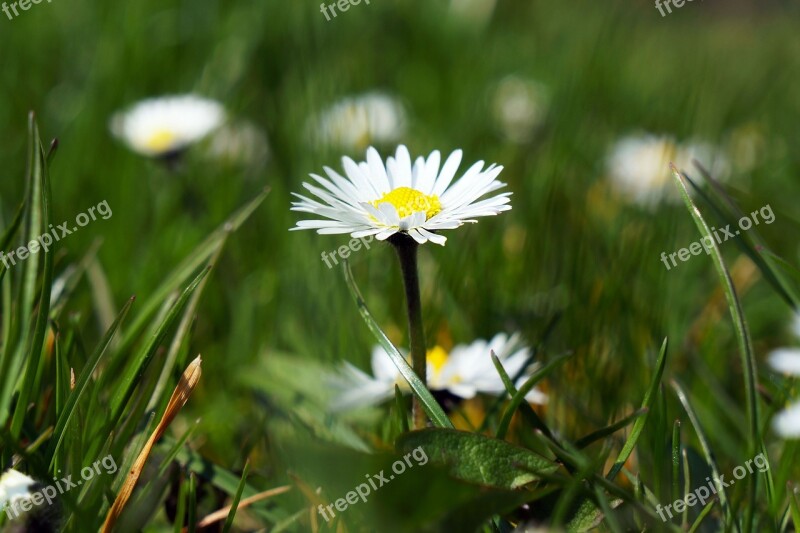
(430, 405)
(236, 498)
(519, 397)
(80, 385)
(638, 426)
(709, 455)
(748, 360)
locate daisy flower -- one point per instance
(787, 361)
(14, 486)
(165, 126)
(358, 121)
(478, 12)
(638, 166)
(710, 156)
(417, 200)
(467, 370)
(519, 107)
(239, 143)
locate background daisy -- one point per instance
(166, 125)
(787, 361)
(359, 121)
(465, 371)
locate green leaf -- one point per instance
(638, 426)
(477, 458)
(188, 267)
(709, 456)
(527, 411)
(38, 221)
(583, 442)
(66, 414)
(794, 507)
(236, 498)
(134, 372)
(431, 406)
(519, 397)
(731, 214)
(748, 360)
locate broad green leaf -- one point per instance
(477, 458)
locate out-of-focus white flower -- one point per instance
(359, 121)
(746, 146)
(476, 12)
(519, 107)
(464, 372)
(709, 156)
(787, 422)
(167, 125)
(787, 361)
(239, 143)
(14, 486)
(638, 166)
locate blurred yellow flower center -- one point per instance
(408, 201)
(160, 140)
(437, 357)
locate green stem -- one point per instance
(406, 248)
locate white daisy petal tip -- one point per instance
(786, 360)
(381, 195)
(787, 423)
(166, 125)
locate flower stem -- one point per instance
(406, 248)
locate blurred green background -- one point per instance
(569, 247)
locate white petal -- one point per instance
(786, 360)
(429, 172)
(448, 172)
(14, 486)
(787, 422)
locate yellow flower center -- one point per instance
(160, 141)
(437, 357)
(408, 201)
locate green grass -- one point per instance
(571, 267)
